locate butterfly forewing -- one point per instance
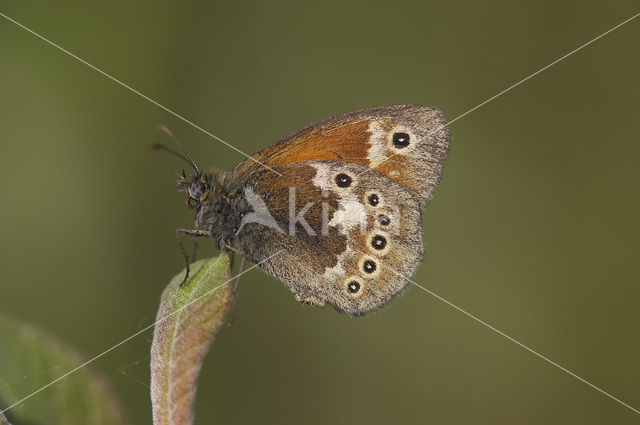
(406, 143)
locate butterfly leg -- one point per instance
(195, 249)
(240, 270)
(235, 250)
(193, 233)
(234, 290)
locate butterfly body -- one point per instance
(219, 205)
(341, 199)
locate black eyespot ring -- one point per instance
(378, 242)
(343, 180)
(401, 140)
(353, 286)
(369, 266)
(384, 220)
(374, 199)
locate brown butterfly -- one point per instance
(342, 198)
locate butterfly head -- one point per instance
(198, 188)
(218, 207)
(198, 185)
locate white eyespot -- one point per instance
(368, 267)
(373, 198)
(328, 179)
(343, 180)
(354, 286)
(382, 220)
(401, 140)
(378, 243)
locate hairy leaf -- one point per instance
(189, 318)
(30, 359)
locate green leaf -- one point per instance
(30, 359)
(189, 319)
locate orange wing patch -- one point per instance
(346, 141)
(370, 138)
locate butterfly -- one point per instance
(340, 202)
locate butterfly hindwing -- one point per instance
(357, 241)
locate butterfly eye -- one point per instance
(369, 266)
(401, 140)
(343, 180)
(378, 242)
(384, 220)
(192, 203)
(373, 199)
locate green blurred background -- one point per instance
(534, 228)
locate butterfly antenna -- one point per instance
(157, 146)
(186, 156)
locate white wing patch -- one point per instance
(322, 179)
(350, 214)
(378, 142)
(381, 143)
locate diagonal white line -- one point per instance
(524, 346)
(545, 68)
(466, 312)
(137, 92)
(498, 331)
(437, 129)
(135, 335)
(421, 287)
